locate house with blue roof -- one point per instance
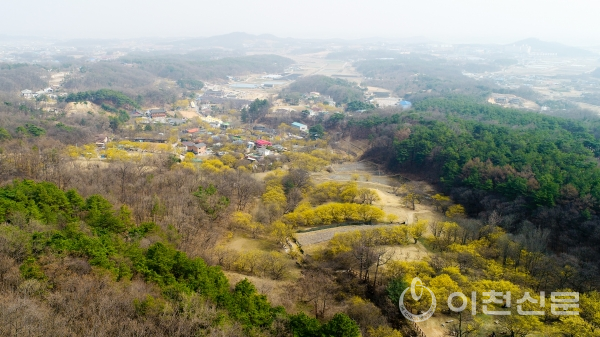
(300, 126)
(405, 105)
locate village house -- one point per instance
(176, 121)
(405, 105)
(263, 151)
(27, 93)
(149, 112)
(214, 122)
(279, 148)
(329, 100)
(261, 143)
(300, 126)
(158, 117)
(213, 93)
(101, 141)
(196, 148)
(136, 114)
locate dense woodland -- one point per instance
(534, 171)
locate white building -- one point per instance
(27, 93)
(300, 126)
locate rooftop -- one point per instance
(297, 124)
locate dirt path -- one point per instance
(436, 326)
(393, 204)
(242, 244)
(409, 253)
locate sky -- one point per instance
(573, 22)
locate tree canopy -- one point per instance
(257, 110)
(116, 98)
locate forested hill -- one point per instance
(189, 66)
(79, 261)
(17, 77)
(340, 90)
(142, 75)
(415, 77)
(527, 167)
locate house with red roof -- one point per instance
(262, 143)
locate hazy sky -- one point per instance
(574, 22)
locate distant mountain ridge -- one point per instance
(539, 46)
(239, 40)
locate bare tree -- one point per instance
(382, 256)
(316, 287)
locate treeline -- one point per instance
(117, 99)
(190, 84)
(530, 168)
(340, 90)
(50, 237)
(190, 66)
(100, 75)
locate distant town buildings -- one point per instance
(29, 94)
